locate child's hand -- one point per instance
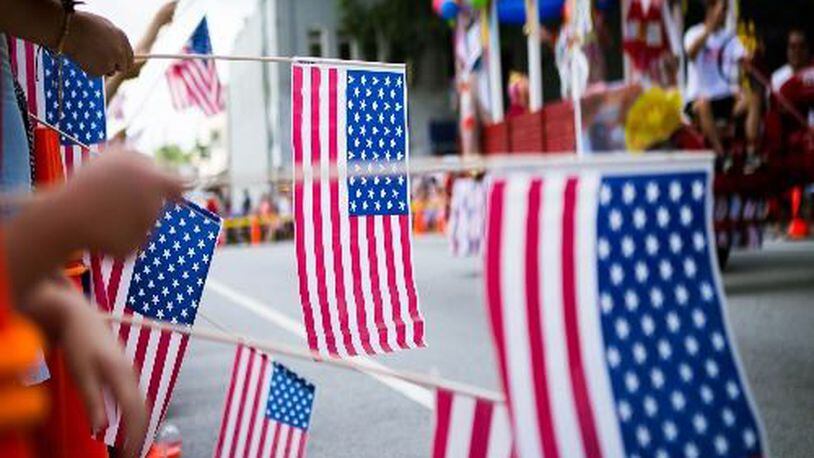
(113, 203)
(93, 355)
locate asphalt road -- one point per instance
(252, 291)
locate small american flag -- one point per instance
(467, 219)
(466, 426)
(268, 409)
(195, 82)
(607, 312)
(166, 283)
(83, 98)
(352, 231)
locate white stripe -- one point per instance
(590, 330)
(129, 351)
(308, 211)
(270, 427)
(515, 321)
(344, 213)
(161, 393)
(461, 421)
(500, 433)
(384, 287)
(401, 287)
(260, 421)
(246, 414)
(364, 272)
(420, 395)
(295, 443)
(327, 225)
(240, 380)
(281, 440)
(560, 394)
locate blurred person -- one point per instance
(710, 94)
(797, 55)
(518, 89)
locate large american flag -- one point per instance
(352, 231)
(608, 315)
(83, 98)
(267, 411)
(195, 82)
(473, 427)
(166, 281)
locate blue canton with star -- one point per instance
(377, 143)
(170, 271)
(83, 101)
(199, 42)
(673, 373)
(291, 398)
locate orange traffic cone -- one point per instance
(67, 432)
(255, 232)
(798, 229)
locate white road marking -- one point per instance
(420, 395)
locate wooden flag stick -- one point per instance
(268, 59)
(56, 129)
(212, 335)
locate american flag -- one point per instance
(467, 216)
(268, 409)
(352, 231)
(473, 427)
(83, 97)
(608, 316)
(195, 82)
(166, 281)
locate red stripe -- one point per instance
(409, 281)
(299, 223)
(545, 422)
(12, 53)
(288, 441)
(276, 440)
(302, 444)
(395, 301)
(67, 154)
(157, 375)
(316, 210)
(114, 281)
(336, 233)
(373, 264)
(443, 411)
(358, 296)
(99, 292)
(138, 365)
(585, 414)
(31, 76)
(492, 270)
(182, 351)
(481, 427)
(242, 405)
(262, 443)
(257, 401)
(229, 397)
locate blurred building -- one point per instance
(259, 95)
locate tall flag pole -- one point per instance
(609, 317)
(352, 232)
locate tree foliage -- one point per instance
(406, 27)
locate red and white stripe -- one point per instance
(472, 427)
(355, 273)
(541, 291)
(195, 83)
(245, 430)
(26, 66)
(156, 355)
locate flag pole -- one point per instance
(270, 347)
(269, 59)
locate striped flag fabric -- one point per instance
(82, 98)
(467, 216)
(351, 209)
(608, 314)
(165, 282)
(267, 411)
(195, 83)
(472, 427)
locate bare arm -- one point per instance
(696, 45)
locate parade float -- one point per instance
(640, 113)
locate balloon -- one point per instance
(449, 9)
(436, 5)
(514, 11)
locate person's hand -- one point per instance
(93, 356)
(165, 14)
(114, 201)
(718, 15)
(97, 46)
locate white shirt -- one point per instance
(781, 76)
(705, 76)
